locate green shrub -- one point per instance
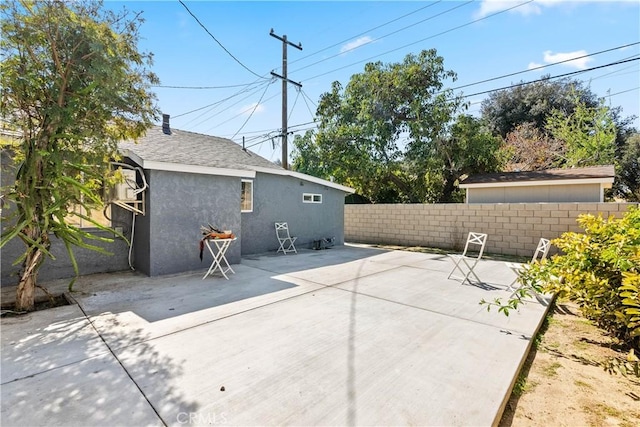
(599, 270)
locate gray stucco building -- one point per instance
(194, 180)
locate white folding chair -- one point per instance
(285, 240)
(464, 262)
(541, 253)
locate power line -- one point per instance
(255, 90)
(271, 130)
(239, 114)
(386, 35)
(295, 101)
(310, 100)
(304, 98)
(269, 137)
(366, 31)
(624, 91)
(220, 44)
(252, 111)
(544, 66)
(618, 71)
(217, 102)
(550, 78)
(421, 40)
(201, 87)
(530, 82)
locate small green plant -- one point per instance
(552, 369)
(522, 384)
(599, 270)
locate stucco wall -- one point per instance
(279, 199)
(166, 239)
(582, 193)
(178, 204)
(513, 228)
(89, 262)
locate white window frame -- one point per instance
(250, 181)
(311, 198)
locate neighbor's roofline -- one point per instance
(538, 183)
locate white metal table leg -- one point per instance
(219, 257)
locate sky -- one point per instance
(215, 58)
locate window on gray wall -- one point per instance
(246, 197)
(311, 198)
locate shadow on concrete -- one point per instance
(310, 259)
(160, 298)
(352, 407)
(51, 365)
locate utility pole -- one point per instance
(285, 80)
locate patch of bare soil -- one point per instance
(563, 382)
(41, 303)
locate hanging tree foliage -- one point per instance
(392, 134)
(73, 84)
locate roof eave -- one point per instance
(179, 167)
(537, 183)
(305, 177)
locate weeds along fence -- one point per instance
(513, 228)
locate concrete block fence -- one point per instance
(513, 228)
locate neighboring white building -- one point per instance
(551, 185)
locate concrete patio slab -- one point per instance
(39, 342)
(168, 305)
(57, 371)
(429, 289)
(346, 336)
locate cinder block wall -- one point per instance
(513, 228)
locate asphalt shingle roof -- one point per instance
(189, 148)
(545, 175)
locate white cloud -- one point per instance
(550, 58)
(355, 44)
(247, 109)
(487, 7)
(581, 63)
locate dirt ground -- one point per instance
(563, 382)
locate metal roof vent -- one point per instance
(166, 128)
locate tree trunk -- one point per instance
(447, 191)
(25, 295)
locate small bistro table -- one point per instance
(218, 251)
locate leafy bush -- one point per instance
(599, 270)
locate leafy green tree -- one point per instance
(73, 85)
(588, 134)
(469, 148)
(627, 184)
(316, 155)
(533, 103)
(389, 133)
(307, 157)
